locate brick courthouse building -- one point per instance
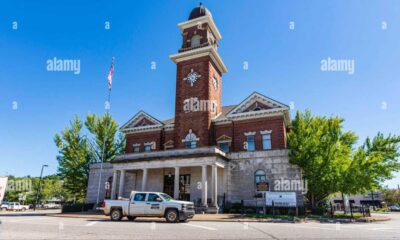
(207, 153)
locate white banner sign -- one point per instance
(3, 185)
(281, 199)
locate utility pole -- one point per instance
(38, 190)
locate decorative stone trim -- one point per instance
(257, 97)
(127, 127)
(266, 132)
(152, 144)
(136, 145)
(250, 133)
(169, 144)
(251, 115)
(224, 139)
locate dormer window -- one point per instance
(195, 41)
(136, 147)
(149, 146)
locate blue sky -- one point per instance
(284, 64)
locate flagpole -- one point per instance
(108, 106)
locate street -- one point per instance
(48, 227)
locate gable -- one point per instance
(257, 106)
(141, 120)
(257, 102)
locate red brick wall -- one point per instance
(237, 129)
(234, 130)
(275, 124)
(141, 138)
(199, 121)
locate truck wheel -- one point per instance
(172, 216)
(116, 215)
(131, 218)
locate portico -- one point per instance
(202, 167)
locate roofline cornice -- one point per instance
(201, 52)
(201, 20)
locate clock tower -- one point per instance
(198, 80)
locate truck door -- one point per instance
(153, 205)
(137, 204)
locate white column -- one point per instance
(214, 186)
(121, 183)
(144, 179)
(176, 183)
(204, 185)
(114, 185)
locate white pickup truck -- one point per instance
(149, 204)
(16, 206)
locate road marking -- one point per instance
(60, 226)
(91, 224)
(199, 226)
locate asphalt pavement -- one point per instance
(50, 227)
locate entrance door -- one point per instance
(184, 187)
(169, 185)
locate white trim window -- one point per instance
(149, 146)
(266, 141)
(136, 147)
(224, 146)
(251, 142)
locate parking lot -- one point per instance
(49, 227)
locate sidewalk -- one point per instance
(30, 212)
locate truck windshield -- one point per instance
(166, 197)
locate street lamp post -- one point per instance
(38, 190)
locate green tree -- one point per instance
(105, 127)
(320, 147)
(74, 158)
(77, 151)
(391, 196)
(53, 187)
(372, 163)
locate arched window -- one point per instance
(260, 176)
(260, 179)
(195, 41)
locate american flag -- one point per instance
(110, 74)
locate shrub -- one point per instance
(77, 207)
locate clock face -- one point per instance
(192, 77)
(215, 83)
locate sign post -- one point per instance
(281, 199)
